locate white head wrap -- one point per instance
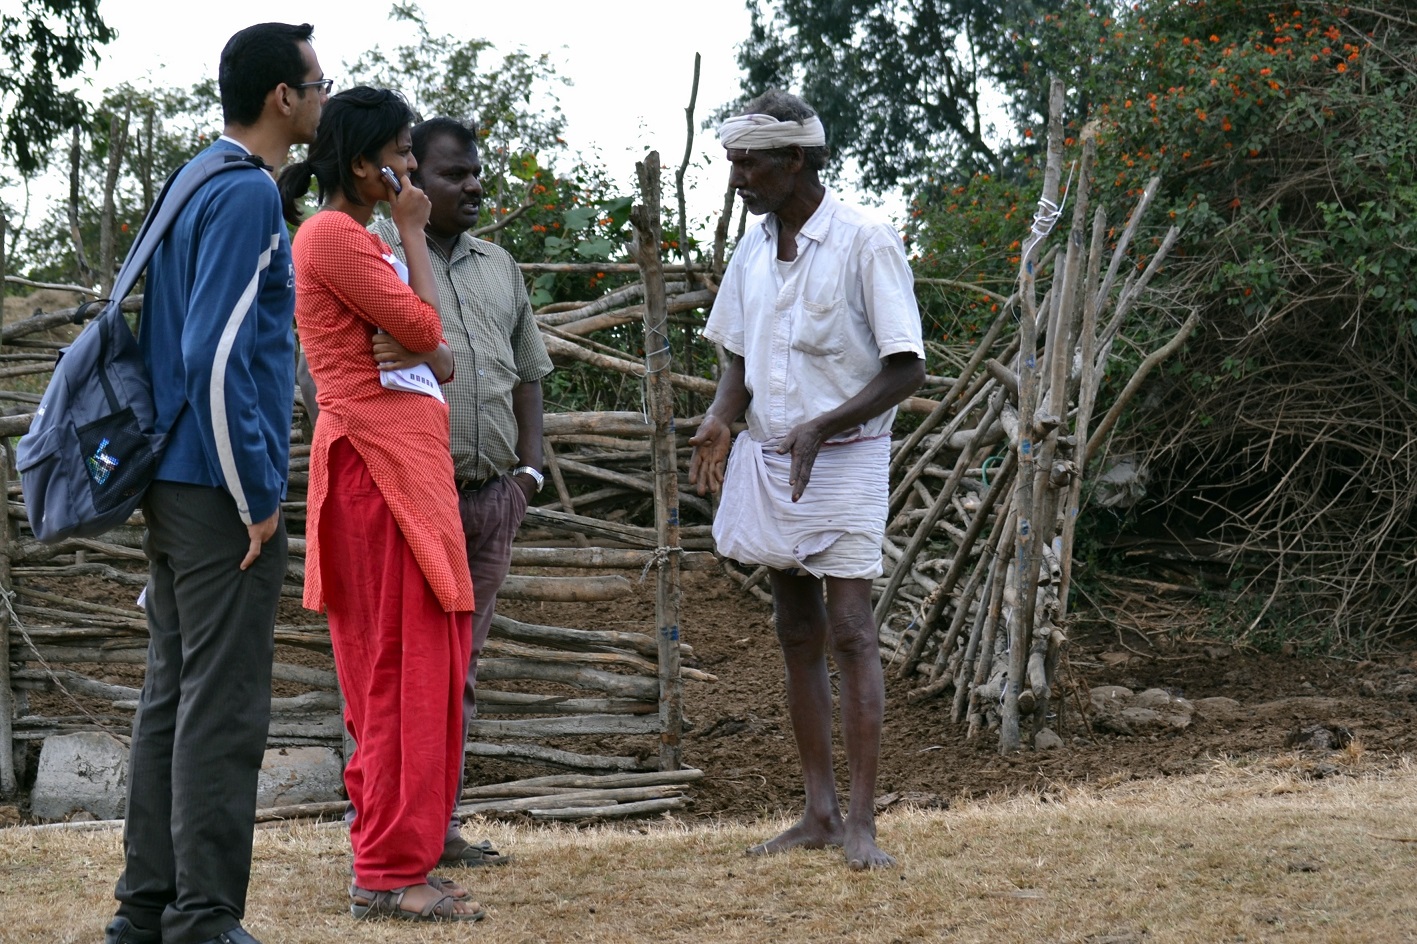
(764, 131)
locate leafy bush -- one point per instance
(1284, 134)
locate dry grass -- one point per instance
(1252, 851)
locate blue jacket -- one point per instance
(217, 338)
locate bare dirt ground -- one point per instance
(742, 740)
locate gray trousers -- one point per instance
(203, 717)
(490, 519)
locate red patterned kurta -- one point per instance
(345, 289)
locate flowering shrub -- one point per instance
(1284, 134)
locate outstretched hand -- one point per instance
(803, 442)
(710, 455)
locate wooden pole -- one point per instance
(659, 397)
(1088, 337)
(1026, 549)
(8, 780)
(553, 468)
(684, 169)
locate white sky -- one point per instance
(631, 63)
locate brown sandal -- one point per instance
(365, 903)
(460, 852)
(448, 886)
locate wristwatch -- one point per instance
(536, 476)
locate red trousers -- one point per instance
(402, 662)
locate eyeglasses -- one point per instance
(323, 85)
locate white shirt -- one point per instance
(813, 335)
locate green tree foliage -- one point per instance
(165, 127)
(900, 85)
(512, 101)
(1283, 132)
(561, 208)
(46, 42)
(1284, 135)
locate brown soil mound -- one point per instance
(742, 740)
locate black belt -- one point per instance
(474, 485)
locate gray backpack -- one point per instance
(92, 450)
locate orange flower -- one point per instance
(1200, 114)
(1265, 71)
(1343, 67)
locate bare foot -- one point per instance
(862, 853)
(804, 835)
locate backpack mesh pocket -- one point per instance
(118, 461)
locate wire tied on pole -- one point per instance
(1046, 217)
(658, 558)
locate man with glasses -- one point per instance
(216, 338)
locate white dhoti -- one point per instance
(834, 530)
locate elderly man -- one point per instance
(494, 398)
(216, 338)
(817, 311)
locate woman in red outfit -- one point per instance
(386, 557)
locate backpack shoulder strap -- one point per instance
(176, 191)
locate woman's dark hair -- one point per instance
(357, 122)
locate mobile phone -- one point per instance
(392, 178)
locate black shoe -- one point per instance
(237, 935)
(121, 931)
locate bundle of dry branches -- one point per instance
(986, 491)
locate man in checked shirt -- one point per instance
(494, 398)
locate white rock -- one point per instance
(1149, 719)
(1219, 708)
(1114, 697)
(1046, 740)
(85, 772)
(1159, 699)
(299, 775)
